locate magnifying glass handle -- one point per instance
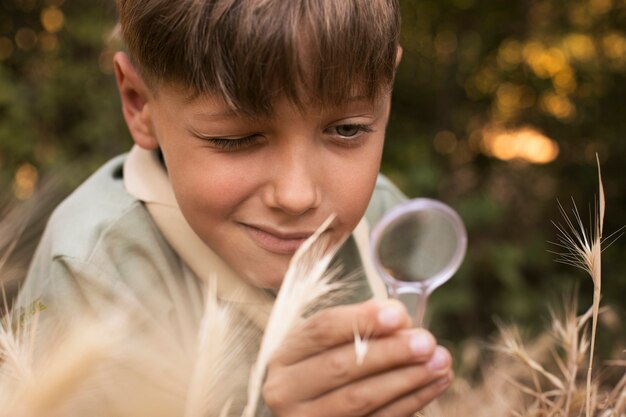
(420, 310)
(420, 306)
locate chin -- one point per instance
(272, 283)
(265, 279)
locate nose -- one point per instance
(294, 185)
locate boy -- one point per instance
(253, 121)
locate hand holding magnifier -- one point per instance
(418, 246)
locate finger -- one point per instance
(336, 326)
(417, 400)
(376, 392)
(338, 366)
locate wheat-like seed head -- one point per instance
(307, 279)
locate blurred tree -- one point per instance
(499, 110)
(58, 102)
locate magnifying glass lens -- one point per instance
(418, 246)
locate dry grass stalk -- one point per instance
(57, 377)
(44, 368)
(54, 371)
(209, 386)
(584, 250)
(306, 281)
(546, 375)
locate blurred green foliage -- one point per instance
(472, 71)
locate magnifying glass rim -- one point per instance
(395, 214)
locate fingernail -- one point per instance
(440, 360)
(421, 344)
(391, 315)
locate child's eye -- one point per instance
(349, 131)
(233, 144)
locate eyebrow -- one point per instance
(229, 113)
(222, 113)
(226, 114)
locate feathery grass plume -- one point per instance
(564, 352)
(15, 346)
(64, 373)
(44, 378)
(193, 363)
(583, 249)
(221, 345)
(89, 366)
(538, 378)
(513, 346)
(306, 280)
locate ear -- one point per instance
(398, 56)
(135, 97)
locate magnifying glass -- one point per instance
(416, 247)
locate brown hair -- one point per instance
(253, 51)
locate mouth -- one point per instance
(274, 241)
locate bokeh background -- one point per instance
(499, 110)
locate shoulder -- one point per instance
(97, 240)
(100, 203)
(385, 196)
(100, 216)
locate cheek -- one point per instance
(357, 194)
(207, 185)
(357, 181)
(208, 188)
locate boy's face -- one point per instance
(254, 190)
